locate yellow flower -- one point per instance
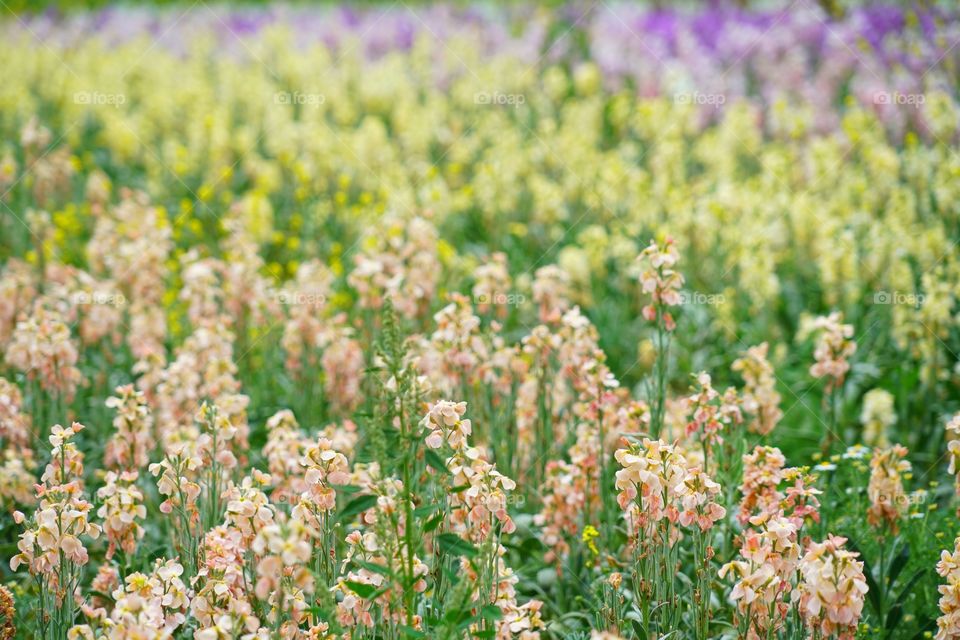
(445, 252)
(589, 535)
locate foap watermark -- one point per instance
(901, 500)
(99, 99)
(81, 298)
(301, 298)
(499, 299)
(500, 99)
(299, 98)
(715, 100)
(914, 100)
(898, 297)
(700, 298)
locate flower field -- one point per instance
(509, 321)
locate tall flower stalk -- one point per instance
(51, 545)
(662, 283)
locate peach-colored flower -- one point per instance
(888, 500)
(661, 282)
(121, 508)
(833, 348)
(760, 398)
(832, 589)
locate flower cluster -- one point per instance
(760, 398)
(301, 295)
(832, 589)
(41, 347)
(121, 509)
(661, 282)
(948, 624)
(833, 348)
(52, 543)
(765, 576)
(132, 439)
(888, 501)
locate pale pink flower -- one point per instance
(760, 398)
(948, 624)
(834, 346)
(699, 504)
(120, 510)
(832, 589)
(41, 348)
(492, 285)
(130, 443)
(888, 500)
(762, 475)
(661, 282)
(551, 292)
(445, 423)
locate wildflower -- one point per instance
(247, 507)
(283, 450)
(324, 467)
(762, 475)
(8, 614)
(14, 423)
(456, 349)
(661, 282)
(343, 365)
(710, 413)
(42, 349)
(307, 329)
(399, 261)
(129, 445)
(698, 500)
(800, 502)
(948, 624)
(51, 544)
(649, 482)
(760, 398)
(769, 555)
(877, 416)
(551, 293)
(283, 580)
(121, 508)
(832, 589)
(492, 285)
(130, 246)
(833, 348)
(953, 449)
(446, 424)
(887, 497)
(856, 452)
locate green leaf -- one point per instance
(455, 545)
(425, 510)
(434, 460)
(898, 563)
(433, 523)
(348, 488)
(907, 590)
(490, 612)
(356, 506)
(410, 632)
(363, 590)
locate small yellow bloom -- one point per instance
(589, 535)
